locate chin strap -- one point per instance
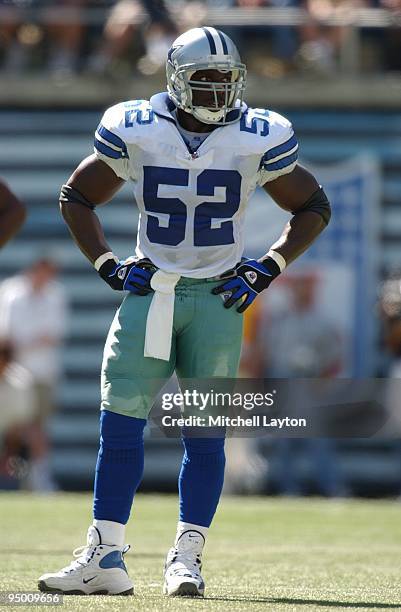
(208, 116)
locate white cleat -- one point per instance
(98, 569)
(183, 566)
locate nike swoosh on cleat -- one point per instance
(88, 580)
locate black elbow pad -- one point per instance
(70, 195)
(317, 203)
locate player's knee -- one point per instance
(119, 431)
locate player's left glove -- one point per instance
(251, 279)
(130, 275)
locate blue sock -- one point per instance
(201, 479)
(119, 467)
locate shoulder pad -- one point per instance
(281, 152)
(121, 118)
(280, 127)
(261, 129)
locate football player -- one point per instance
(12, 214)
(194, 156)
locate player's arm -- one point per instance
(12, 214)
(93, 183)
(300, 194)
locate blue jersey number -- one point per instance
(174, 232)
(259, 121)
(134, 114)
(204, 234)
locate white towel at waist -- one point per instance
(159, 323)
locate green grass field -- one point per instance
(262, 553)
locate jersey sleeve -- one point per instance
(109, 145)
(281, 158)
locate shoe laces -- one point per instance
(191, 562)
(83, 555)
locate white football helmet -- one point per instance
(206, 49)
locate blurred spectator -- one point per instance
(300, 342)
(33, 317)
(27, 26)
(13, 52)
(306, 344)
(16, 413)
(128, 36)
(12, 214)
(65, 30)
(390, 313)
(392, 35)
(270, 50)
(321, 44)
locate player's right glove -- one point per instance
(129, 275)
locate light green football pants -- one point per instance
(206, 343)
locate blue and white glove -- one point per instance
(251, 279)
(129, 275)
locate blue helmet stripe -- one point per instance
(211, 41)
(223, 42)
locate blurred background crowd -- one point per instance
(334, 68)
(275, 37)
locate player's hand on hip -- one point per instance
(252, 278)
(129, 275)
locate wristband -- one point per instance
(103, 258)
(279, 259)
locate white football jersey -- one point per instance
(192, 205)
